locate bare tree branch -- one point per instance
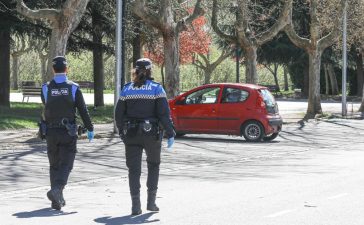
(282, 21)
(139, 9)
(50, 14)
(216, 28)
(329, 39)
(293, 36)
(197, 12)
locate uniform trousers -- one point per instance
(61, 150)
(133, 153)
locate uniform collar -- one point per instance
(60, 77)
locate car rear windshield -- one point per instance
(269, 101)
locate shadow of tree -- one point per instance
(45, 212)
(144, 218)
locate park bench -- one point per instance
(274, 89)
(86, 85)
(30, 89)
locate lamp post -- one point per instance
(119, 51)
(343, 84)
(235, 8)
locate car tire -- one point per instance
(270, 137)
(179, 134)
(253, 131)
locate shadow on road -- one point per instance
(144, 218)
(222, 139)
(45, 212)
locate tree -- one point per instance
(193, 41)
(10, 24)
(5, 68)
(170, 25)
(20, 48)
(62, 22)
(320, 39)
(207, 66)
(251, 29)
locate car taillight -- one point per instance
(260, 102)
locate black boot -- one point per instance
(136, 206)
(151, 206)
(63, 202)
(54, 195)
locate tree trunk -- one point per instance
(98, 60)
(251, 65)
(327, 84)
(359, 74)
(333, 80)
(58, 45)
(128, 70)
(208, 73)
(171, 56)
(314, 98)
(15, 71)
(361, 109)
(137, 46)
(43, 66)
(162, 74)
(5, 67)
(285, 74)
(306, 85)
(62, 22)
(275, 75)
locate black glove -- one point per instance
(121, 135)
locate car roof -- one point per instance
(251, 86)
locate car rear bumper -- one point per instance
(275, 122)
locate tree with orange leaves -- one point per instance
(195, 40)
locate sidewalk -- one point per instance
(89, 98)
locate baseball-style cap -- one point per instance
(59, 62)
(143, 63)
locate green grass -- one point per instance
(26, 115)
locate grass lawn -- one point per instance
(26, 115)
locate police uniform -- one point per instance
(140, 113)
(61, 97)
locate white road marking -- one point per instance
(280, 213)
(338, 196)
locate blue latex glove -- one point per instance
(90, 135)
(170, 142)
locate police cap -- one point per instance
(59, 62)
(143, 63)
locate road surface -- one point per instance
(312, 174)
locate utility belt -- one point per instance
(72, 128)
(133, 128)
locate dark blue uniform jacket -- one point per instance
(61, 98)
(148, 102)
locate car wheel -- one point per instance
(253, 131)
(179, 134)
(270, 136)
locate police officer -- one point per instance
(61, 97)
(140, 113)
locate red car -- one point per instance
(228, 108)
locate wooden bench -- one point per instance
(29, 89)
(274, 89)
(86, 85)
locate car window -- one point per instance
(268, 97)
(203, 96)
(232, 95)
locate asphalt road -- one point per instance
(311, 174)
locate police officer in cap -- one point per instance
(61, 97)
(142, 110)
